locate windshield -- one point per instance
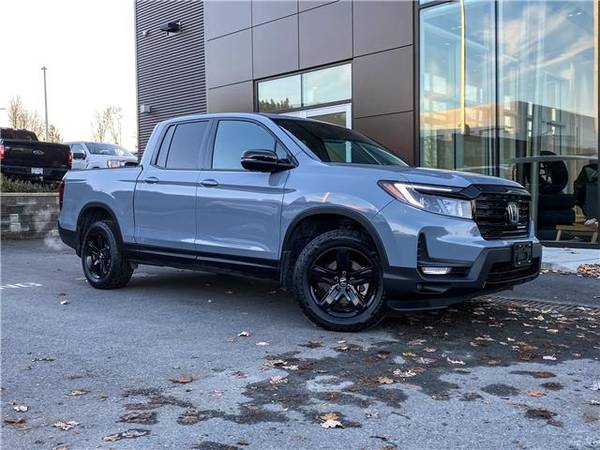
(331, 143)
(107, 149)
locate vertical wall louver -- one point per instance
(170, 69)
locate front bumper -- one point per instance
(493, 270)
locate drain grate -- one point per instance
(557, 306)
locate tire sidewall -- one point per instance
(304, 295)
(115, 253)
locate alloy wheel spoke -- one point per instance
(354, 297)
(361, 276)
(332, 297)
(320, 273)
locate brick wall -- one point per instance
(28, 216)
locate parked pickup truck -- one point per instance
(99, 155)
(23, 156)
(337, 218)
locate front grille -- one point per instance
(491, 215)
(505, 272)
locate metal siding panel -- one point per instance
(170, 70)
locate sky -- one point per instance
(88, 48)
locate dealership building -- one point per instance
(505, 88)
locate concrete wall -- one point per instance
(28, 216)
(248, 40)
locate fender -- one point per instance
(340, 211)
(87, 207)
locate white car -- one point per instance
(98, 155)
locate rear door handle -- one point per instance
(151, 180)
(209, 183)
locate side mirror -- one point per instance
(264, 161)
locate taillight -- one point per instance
(69, 160)
(61, 193)
(1, 152)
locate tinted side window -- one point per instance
(234, 138)
(184, 151)
(163, 151)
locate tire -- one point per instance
(111, 270)
(312, 295)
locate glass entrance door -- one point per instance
(336, 115)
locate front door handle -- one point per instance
(151, 180)
(209, 183)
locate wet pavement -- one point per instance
(191, 360)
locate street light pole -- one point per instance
(44, 68)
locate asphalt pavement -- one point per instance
(180, 359)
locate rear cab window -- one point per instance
(182, 145)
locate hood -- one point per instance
(440, 177)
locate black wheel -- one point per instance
(338, 281)
(104, 263)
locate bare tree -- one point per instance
(20, 117)
(54, 134)
(107, 125)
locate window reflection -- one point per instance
(317, 87)
(280, 94)
(518, 100)
(326, 86)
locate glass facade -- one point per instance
(511, 89)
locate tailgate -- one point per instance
(35, 154)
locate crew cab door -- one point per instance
(239, 211)
(165, 195)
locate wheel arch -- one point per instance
(327, 212)
(89, 211)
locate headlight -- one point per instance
(114, 163)
(435, 199)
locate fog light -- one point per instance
(436, 270)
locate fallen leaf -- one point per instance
(332, 424)
(455, 361)
(278, 379)
(77, 392)
(329, 416)
(21, 408)
(148, 417)
(404, 373)
(129, 434)
(65, 425)
(541, 374)
(423, 360)
(16, 422)
(183, 379)
(535, 393)
(244, 334)
(385, 380)
(312, 344)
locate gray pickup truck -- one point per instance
(338, 219)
